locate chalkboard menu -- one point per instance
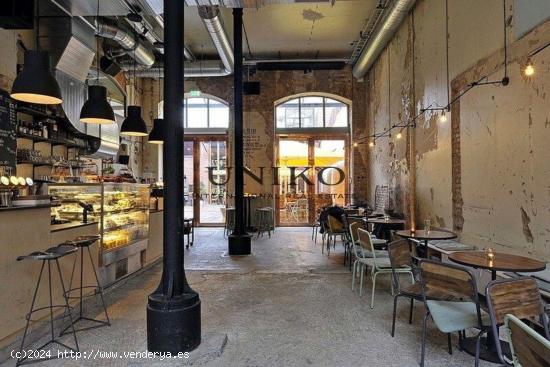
(8, 133)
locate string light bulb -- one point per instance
(529, 69)
(443, 117)
(355, 145)
(399, 135)
(371, 144)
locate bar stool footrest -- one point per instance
(97, 290)
(62, 316)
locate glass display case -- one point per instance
(121, 210)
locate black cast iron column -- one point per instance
(239, 240)
(174, 309)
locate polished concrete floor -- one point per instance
(286, 305)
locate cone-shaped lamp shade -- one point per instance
(133, 125)
(36, 83)
(97, 109)
(156, 136)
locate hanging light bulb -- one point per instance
(355, 145)
(443, 117)
(371, 144)
(156, 136)
(399, 135)
(529, 69)
(36, 83)
(133, 125)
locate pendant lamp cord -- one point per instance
(97, 48)
(447, 52)
(37, 10)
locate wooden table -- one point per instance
(426, 236)
(382, 227)
(501, 262)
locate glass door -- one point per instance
(205, 179)
(294, 182)
(212, 183)
(188, 179)
(331, 172)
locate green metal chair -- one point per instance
(360, 254)
(379, 265)
(529, 348)
(457, 307)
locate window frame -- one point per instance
(324, 127)
(208, 128)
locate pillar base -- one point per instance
(173, 325)
(240, 244)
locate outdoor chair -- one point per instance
(519, 297)
(401, 257)
(529, 348)
(457, 306)
(379, 265)
(335, 229)
(360, 254)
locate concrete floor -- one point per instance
(286, 305)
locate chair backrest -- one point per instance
(519, 297)
(354, 237)
(529, 348)
(366, 241)
(334, 225)
(448, 282)
(400, 256)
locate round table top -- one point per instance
(501, 262)
(379, 220)
(422, 234)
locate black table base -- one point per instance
(486, 353)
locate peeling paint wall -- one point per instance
(484, 173)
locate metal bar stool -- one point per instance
(265, 220)
(189, 231)
(51, 254)
(81, 243)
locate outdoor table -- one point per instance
(426, 236)
(500, 262)
(382, 227)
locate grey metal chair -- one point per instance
(519, 297)
(49, 256)
(529, 348)
(456, 308)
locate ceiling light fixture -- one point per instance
(96, 109)
(133, 124)
(156, 136)
(36, 82)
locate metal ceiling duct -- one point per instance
(197, 69)
(210, 16)
(394, 16)
(128, 41)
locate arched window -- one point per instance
(312, 111)
(205, 112)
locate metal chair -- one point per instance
(264, 220)
(52, 254)
(335, 229)
(401, 256)
(378, 265)
(519, 297)
(229, 221)
(360, 253)
(81, 243)
(529, 348)
(457, 306)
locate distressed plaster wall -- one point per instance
(483, 173)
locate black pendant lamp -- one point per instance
(36, 83)
(97, 109)
(156, 136)
(133, 125)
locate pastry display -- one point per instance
(121, 209)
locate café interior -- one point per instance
(275, 182)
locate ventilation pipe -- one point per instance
(129, 42)
(384, 32)
(210, 16)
